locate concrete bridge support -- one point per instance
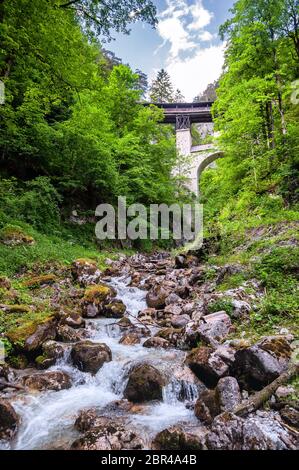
(199, 158)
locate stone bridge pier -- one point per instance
(183, 115)
(198, 158)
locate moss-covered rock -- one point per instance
(5, 283)
(30, 334)
(37, 281)
(115, 309)
(95, 298)
(83, 266)
(13, 235)
(15, 308)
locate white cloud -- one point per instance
(181, 24)
(192, 75)
(201, 16)
(183, 28)
(206, 36)
(172, 30)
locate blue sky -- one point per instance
(185, 43)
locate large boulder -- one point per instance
(177, 438)
(9, 420)
(89, 356)
(259, 431)
(207, 365)
(53, 380)
(104, 433)
(256, 367)
(145, 383)
(214, 327)
(43, 332)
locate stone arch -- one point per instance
(207, 161)
(200, 162)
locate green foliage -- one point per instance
(34, 202)
(161, 89)
(221, 304)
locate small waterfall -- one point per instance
(47, 418)
(180, 391)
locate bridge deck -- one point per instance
(197, 112)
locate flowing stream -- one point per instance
(47, 418)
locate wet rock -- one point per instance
(72, 319)
(227, 393)
(130, 339)
(156, 297)
(207, 406)
(179, 321)
(260, 431)
(256, 367)
(86, 419)
(109, 434)
(145, 384)
(157, 342)
(178, 438)
(95, 298)
(44, 331)
(67, 334)
(53, 380)
(9, 420)
(53, 349)
(290, 416)
(114, 309)
(172, 335)
(89, 356)
(180, 261)
(207, 365)
(215, 327)
(6, 373)
(148, 315)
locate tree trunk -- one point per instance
(257, 400)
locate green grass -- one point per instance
(62, 248)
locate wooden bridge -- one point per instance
(185, 114)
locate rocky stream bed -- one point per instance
(133, 359)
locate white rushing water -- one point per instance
(47, 419)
